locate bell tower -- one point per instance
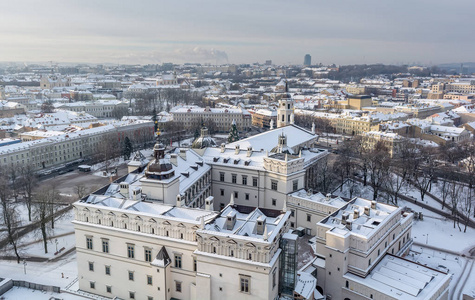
(285, 111)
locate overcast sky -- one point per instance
(244, 31)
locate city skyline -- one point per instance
(345, 32)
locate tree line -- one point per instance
(447, 172)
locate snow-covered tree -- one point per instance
(233, 133)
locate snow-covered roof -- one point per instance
(267, 140)
(403, 279)
(364, 219)
(329, 200)
(246, 223)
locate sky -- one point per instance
(244, 31)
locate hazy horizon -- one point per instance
(340, 32)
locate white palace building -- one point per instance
(218, 223)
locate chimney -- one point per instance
(348, 225)
(237, 149)
(231, 220)
(366, 210)
(223, 147)
(261, 224)
(373, 204)
(209, 203)
(174, 159)
(124, 188)
(178, 200)
(356, 214)
(249, 151)
(344, 218)
(183, 153)
(137, 194)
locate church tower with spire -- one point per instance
(285, 111)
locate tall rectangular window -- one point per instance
(178, 286)
(91, 266)
(309, 218)
(105, 246)
(148, 255)
(245, 284)
(254, 181)
(130, 251)
(149, 280)
(274, 202)
(246, 196)
(295, 185)
(233, 178)
(244, 180)
(221, 176)
(273, 185)
(195, 266)
(108, 270)
(89, 242)
(177, 261)
(131, 276)
(274, 280)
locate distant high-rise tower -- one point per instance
(285, 111)
(307, 61)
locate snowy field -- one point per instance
(59, 273)
(31, 244)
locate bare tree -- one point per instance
(42, 209)
(108, 150)
(424, 170)
(13, 176)
(324, 178)
(377, 160)
(28, 183)
(454, 193)
(80, 190)
(399, 170)
(9, 214)
(466, 206)
(444, 191)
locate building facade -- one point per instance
(193, 116)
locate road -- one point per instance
(66, 183)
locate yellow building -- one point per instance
(360, 101)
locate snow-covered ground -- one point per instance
(442, 234)
(16, 293)
(31, 244)
(59, 273)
